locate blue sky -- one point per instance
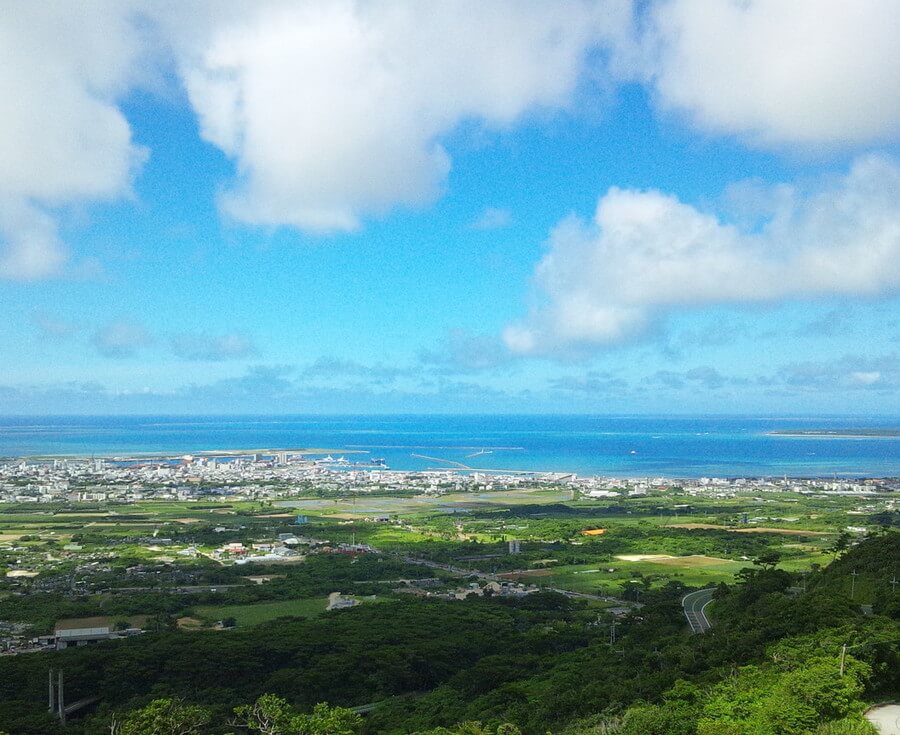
(340, 207)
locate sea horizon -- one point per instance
(634, 445)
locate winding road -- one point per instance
(694, 604)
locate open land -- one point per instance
(291, 554)
(212, 538)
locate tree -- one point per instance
(165, 717)
(673, 718)
(768, 561)
(272, 715)
(841, 543)
(474, 728)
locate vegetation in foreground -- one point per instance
(772, 665)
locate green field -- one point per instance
(262, 612)
(376, 505)
(613, 576)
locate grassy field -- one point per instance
(262, 612)
(707, 539)
(611, 577)
(367, 506)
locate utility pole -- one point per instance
(61, 698)
(894, 584)
(853, 584)
(51, 695)
(612, 633)
(843, 653)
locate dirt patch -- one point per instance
(188, 623)
(186, 520)
(752, 529)
(694, 560)
(784, 531)
(277, 515)
(527, 573)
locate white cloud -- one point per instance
(335, 110)
(493, 218)
(121, 339)
(460, 351)
(30, 246)
(877, 373)
(869, 377)
(52, 326)
(806, 71)
(647, 253)
(62, 138)
(214, 348)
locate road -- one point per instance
(885, 718)
(694, 604)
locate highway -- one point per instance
(694, 604)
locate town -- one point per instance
(278, 475)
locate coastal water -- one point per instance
(621, 446)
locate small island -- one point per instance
(840, 433)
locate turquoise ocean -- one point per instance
(634, 446)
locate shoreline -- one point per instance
(460, 468)
(178, 455)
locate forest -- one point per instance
(784, 656)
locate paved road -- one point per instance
(886, 718)
(694, 604)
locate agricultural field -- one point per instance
(171, 559)
(261, 612)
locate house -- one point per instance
(82, 632)
(72, 632)
(337, 601)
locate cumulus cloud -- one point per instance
(461, 351)
(704, 376)
(202, 347)
(335, 110)
(53, 326)
(121, 339)
(492, 218)
(63, 139)
(833, 322)
(807, 71)
(850, 372)
(647, 253)
(592, 382)
(262, 383)
(332, 367)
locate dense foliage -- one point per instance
(772, 665)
